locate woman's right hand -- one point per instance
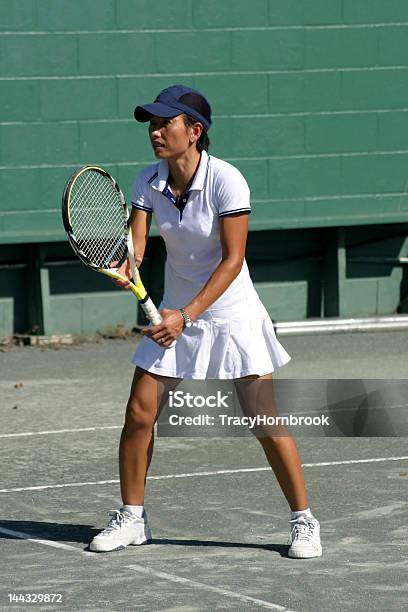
(125, 271)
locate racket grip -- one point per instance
(151, 311)
(153, 315)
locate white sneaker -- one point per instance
(123, 529)
(304, 538)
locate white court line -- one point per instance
(58, 431)
(207, 587)
(195, 474)
(29, 537)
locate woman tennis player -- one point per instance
(201, 206)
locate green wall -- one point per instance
(309, 101)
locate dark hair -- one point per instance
(203, 142)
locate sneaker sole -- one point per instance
(148, 541)
(305, 554)
(119, 548)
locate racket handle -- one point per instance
(153, 315)
(151, 311)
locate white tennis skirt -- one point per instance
(219, 345)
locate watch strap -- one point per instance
(187, 321)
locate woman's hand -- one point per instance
(125, 271)
(167, 330)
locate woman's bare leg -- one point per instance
(280, 450)
(137, 439)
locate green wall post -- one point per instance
(38, 291)
(335, 273)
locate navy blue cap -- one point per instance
(174, 101)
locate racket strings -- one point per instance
(98, 219)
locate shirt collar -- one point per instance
(160, 182)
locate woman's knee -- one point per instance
(273, 440)
(139, 415)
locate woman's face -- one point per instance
(170, 138)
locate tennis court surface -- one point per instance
(219, 519)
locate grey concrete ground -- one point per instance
(219, 538)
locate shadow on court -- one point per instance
(83, 534)
(219, 520)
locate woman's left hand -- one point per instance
(167, 330)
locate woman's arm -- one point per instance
(233, 235)
(140, 224)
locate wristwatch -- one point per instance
(187, 321)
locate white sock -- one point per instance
(135, 510)
(296, 513)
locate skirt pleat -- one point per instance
(217, 347)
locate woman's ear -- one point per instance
(196, 131)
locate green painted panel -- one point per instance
(20, 189)
(77, 15)
(32, 188)
(134, 14)
(344, 209)
(172, 50)
(17, 14)
(125, 176)
(340, 47)
(266, 136)
(374, 88)
(78, 99)
(393, 131)
(256, 175)
(38, 55)
(266, 214)
(19, 101)
(304, 12)
(266, 50)
(220, 138)
(374, 173)
(327, 212)
(304, 92)
(341, 133)
(374, 11)
(88, 313)
(52, 183)
(393, 49)
(389, 292)
(360, 297)
(39, 143)
(116, 53)
(33, 223)
(284, 301)
(229, 13)
(229, 97)
(299, 177)
(67, 314)
(122, 136)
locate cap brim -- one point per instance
(147, 111)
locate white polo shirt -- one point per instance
(191, 230)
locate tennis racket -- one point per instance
(96, 220)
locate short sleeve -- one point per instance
(233, 193)
(141, 193)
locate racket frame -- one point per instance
(136, 286)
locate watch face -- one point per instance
(189, 323)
